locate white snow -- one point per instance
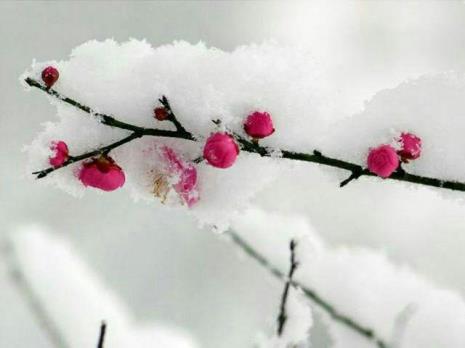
(202, 84)
(77, 300)
(362, 284)
(205, 83)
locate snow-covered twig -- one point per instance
(101, 338)
(99, 151)
(246, 145)
(366, 332)
(26, 291)
(282, 310)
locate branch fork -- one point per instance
(250, 146)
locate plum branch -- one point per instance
(101, 337)
(247, 145)
(250, 146)
(311, 294)
(282, 317)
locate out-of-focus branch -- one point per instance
(329, 308)
(282, 317)
(25, 290)
(101, 337)
(246, 145)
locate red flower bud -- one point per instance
(411, 147)
(160, 113)
(220, 150)
(259, 125)
(50, 76)
(383, 160)
(102, 173)
(61, 153)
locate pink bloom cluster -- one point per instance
(384, 159)
(220, 151)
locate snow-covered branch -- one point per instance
(345, 320)
(282, 309)
(245, 144)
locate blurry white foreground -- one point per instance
(75, 300)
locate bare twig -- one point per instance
(282, 317)
(101, 338)
(246, 145)
(345, 320)
(73, 159)
(26, 291)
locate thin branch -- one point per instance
(107, 119)
(282, 317)
(366, 332)
(101, 338)
(252, 147)
(25, 290)
(73, 159)
(172, 117)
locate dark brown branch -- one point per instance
(172, 117)
(250, 146)
(101, 338)
(99, 151)
(282, 317)
(366, 332)
(110, 120)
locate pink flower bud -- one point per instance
(50, 76)
(383, 160)
(160, 113)
(411, 147)
(102, 173)
(61, 153)
(259, 125)
(221, 150)
(186, 175)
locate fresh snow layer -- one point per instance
(401, 306)
(77, 301)
(205, 84)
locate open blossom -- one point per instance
(182, 177)
(259, 125)
(410, 147)
(383, 160)
(60, 153)
(221, 150)
(102, 173)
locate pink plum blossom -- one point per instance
(102, 173)
(383, 160)
(410, 147)
(221, 150)
(259, 125)
(185, 175)
(50, 75)
(60, 153)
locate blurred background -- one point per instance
(158, 263)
